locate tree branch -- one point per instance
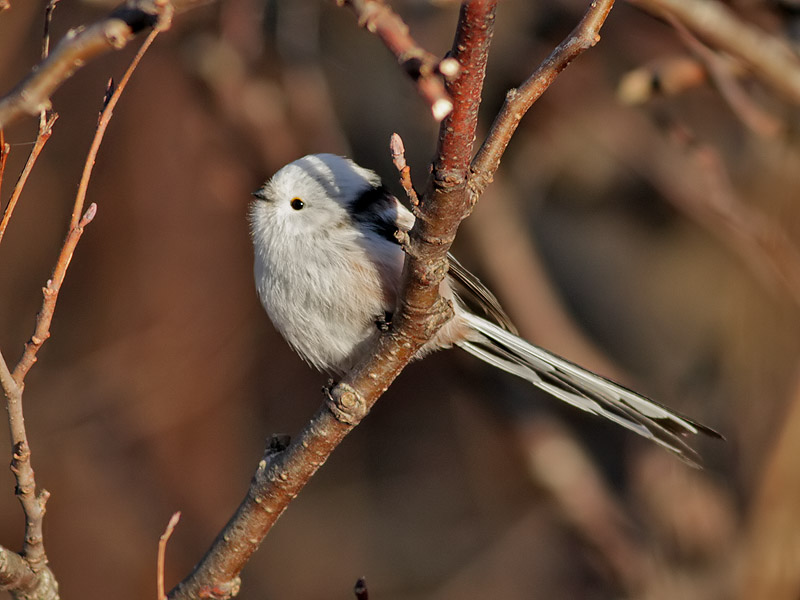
(5, 149)
(25, 584)
(425, 70)
(12, 382)
(45, 131)
(721, 71)
(78, 47)
(770, 59)
(282, 474)
(584, 36)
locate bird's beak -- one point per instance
(260, 194)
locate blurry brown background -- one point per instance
(164, 377)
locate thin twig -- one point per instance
(760, 241)
(79, 46)
(77, 222)
(5, 149)
(110, 102)
(425, 70)
(45, 131)
(398, 151)
(162, 551)
(48, 19)
(720, 70)
(283, 473)
(33, 503)
(584, 36)
(770, 58)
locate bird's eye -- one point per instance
(297, 204)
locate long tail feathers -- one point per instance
(583, 389)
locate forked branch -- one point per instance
(446, 201)
(426, 71)
(16, 570)
(284, 472)
(585, 35)
(79, 46)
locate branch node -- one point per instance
(221, 591)
(346, 404)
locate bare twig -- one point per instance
(584, 36)
(723, 75)
(27, 574)
(162, 551)
(77, 223)
(424, 68)
(32, 94)
(282, 474)
(770, 59)
(12, 383)
(398, 151)
(761, 242)
(109, 103)
(5, 149)
(45, 131)
(48, 18)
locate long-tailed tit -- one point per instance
(328, 269)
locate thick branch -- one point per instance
(423, 67)
(78, 47)
(25, 584)
(584, 36)
(771, 59)
(282, 475)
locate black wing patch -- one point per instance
(373, 208)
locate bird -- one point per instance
(328, 269)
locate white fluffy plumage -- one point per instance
(328, 270)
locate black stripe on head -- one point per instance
(374, 209)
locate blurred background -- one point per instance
(652, 242)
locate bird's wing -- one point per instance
(475, 292)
